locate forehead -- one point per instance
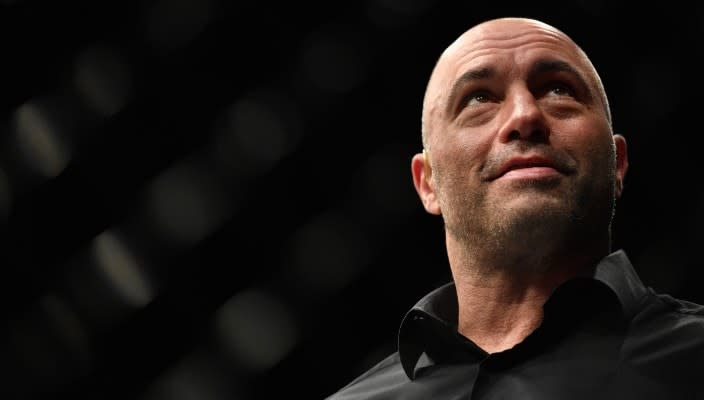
(508, 45)
(514, 43)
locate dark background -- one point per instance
(204, 199)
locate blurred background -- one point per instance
(210, 199)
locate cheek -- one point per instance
(600, 150)
(589, 143)
(459, 164)
(458, 184)
(463, 151)
(596, 164)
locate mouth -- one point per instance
(529, 167)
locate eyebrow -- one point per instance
(462, 81)
(539, 67)
(543, 66)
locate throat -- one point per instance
(498, 318)
(495, 339)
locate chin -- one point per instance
(534, 203)
(550, 220)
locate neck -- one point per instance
(501, 296)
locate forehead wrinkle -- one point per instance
(482, 41)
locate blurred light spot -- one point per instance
(5, 194)
(175, 23)
(122, 270)
(197, 377)
(336, 59)
(256, 329)
(388, 183)
(256, 132)
(99, 296)
(186, 203)
(103, 80)
(39, 141)
(327, 253)
(394, 13)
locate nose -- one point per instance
(523, 118)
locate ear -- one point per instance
(422, 180)
(621, 163)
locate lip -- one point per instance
(528, 167)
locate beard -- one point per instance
(536, 224)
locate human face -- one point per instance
(519, 139)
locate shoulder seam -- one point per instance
(679, 305)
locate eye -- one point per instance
(477, 97)
(560, 89)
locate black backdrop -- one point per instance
(212, 199)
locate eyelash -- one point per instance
(484, 96)
(551, 87)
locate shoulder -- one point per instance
(679, 310)
(665, 341)
(681, 306)
(667, 319)
(375, 381)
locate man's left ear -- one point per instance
(621, 162)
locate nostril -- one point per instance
(538, 135)
(534, 135)
(513, 135)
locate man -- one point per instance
(521, 162)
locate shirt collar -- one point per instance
(617, 272)
(440, 305)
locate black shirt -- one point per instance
(604, 335)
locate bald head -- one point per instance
(507, 36)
